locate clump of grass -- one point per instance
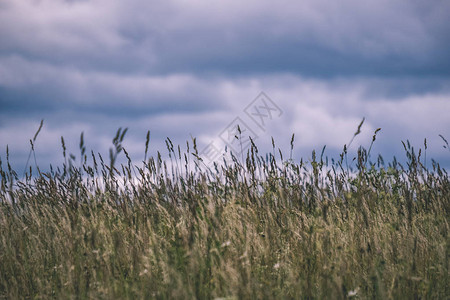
(262, 227)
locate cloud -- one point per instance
(182, 68)
(319, 112)
(315, 38)
(38, 86)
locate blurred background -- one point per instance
(184, 69)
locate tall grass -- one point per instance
(261, 227)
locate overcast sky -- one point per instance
(190, 68)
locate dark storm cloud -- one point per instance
(190, 67)
(37, 87)
(314, 38)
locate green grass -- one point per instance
(264, 227)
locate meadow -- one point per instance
(260, 226)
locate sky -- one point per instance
(196, 69)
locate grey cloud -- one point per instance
(319, 112)
(315, 38)
(180, 68)
(28, 86)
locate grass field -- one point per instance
(262, 227)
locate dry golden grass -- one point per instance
(260, 229)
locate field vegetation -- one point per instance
(259, 226)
